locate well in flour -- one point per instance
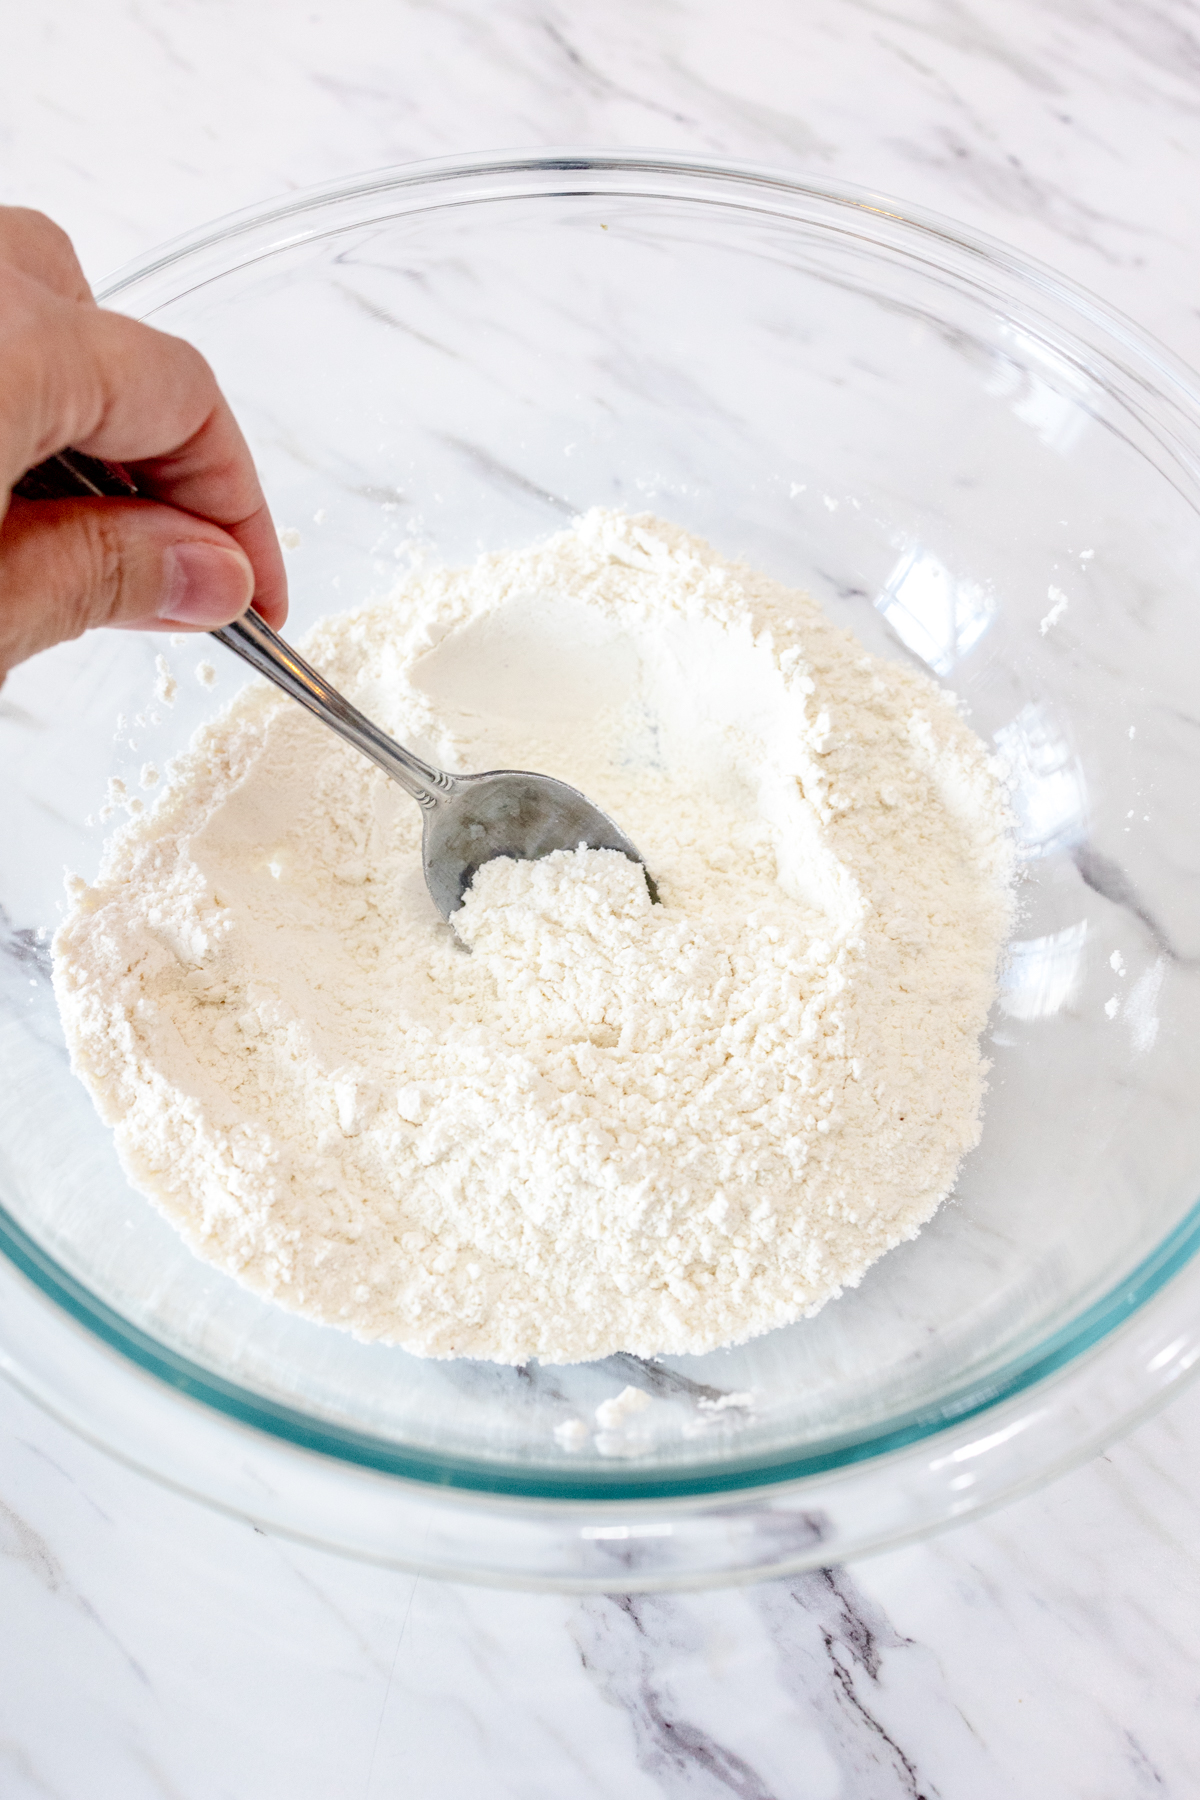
(614, 1125)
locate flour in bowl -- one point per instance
(611, 1125)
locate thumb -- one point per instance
(66, 565)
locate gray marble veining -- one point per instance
(150, 1650)
(1051, 1651)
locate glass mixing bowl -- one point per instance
(978, 469)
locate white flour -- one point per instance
(613, 1125)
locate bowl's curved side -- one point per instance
(927, 517)
(597, 1544)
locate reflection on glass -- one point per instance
(1041, 974)
(1054, 408)
(1047, 792)
(936, 614)
(1141, 1009)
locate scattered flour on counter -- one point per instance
(612, 1125)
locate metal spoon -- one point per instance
(469, 819)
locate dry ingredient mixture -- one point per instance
(611, 1125)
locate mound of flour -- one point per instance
(611, 1125)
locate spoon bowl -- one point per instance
(509, 812)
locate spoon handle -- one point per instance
(72, 472)
(252, 638)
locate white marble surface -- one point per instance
(150, 1648)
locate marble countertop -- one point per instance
(153, 1650)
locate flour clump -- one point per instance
(613, 1125)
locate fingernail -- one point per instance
(205, 584)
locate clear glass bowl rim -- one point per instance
(1161, 386)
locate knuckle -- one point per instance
(196, 373)
(193, 368)
(99, 588)
(40, 225)
(25, 232)
(21, 224)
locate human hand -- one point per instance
(192, 556)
